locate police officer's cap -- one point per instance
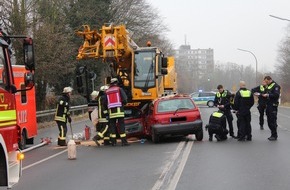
(67, 89)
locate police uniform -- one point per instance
(116, 99)
(224, 99)
(273, 91)
(262, 102)
(62, 115)
(243, 102)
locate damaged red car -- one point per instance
(171, 116)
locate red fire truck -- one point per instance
(25, 107)
(10, 133)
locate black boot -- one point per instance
(96, 138)
(124, 142)
(113, 141)
(61, 142)
(107, 142)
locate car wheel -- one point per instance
(22, 142)
(210, 103)
(154, 137)
(199, 135)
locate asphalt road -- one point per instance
(174, 163)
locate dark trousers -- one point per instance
(271, 112)
(245, 128)
(262, 109)
(218, 130)
(62, 133)
(103, 131)
(113, 129)
(230, 118)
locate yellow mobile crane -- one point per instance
(141, 69)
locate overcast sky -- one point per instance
(225, 25)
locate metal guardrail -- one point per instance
(73, 109)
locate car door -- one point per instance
(149, 118)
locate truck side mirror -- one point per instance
(164, 63)
(28, 52)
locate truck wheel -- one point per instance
(210, 103)
(154, 137)
(199, 135)
(22, 142)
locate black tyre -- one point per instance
(210, 103)
(199, 135)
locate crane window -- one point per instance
(144, 75)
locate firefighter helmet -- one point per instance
(67, 89)
(104, 88)
(113, 80)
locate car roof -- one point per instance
(170, 97)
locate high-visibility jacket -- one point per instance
(62, 108)
(273, 90)
(114, 97)
(262, 90)
(223, 99)
(244, 100)
(102, 111)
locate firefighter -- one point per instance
(62, 115)
(93, 103)
(223, 102)
(116, 99)
(272, 95)
(102, 125)
(243, 102)
(262, 101)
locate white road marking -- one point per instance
(174, 167)
(181, 166)
(43, 160)
(158, 184)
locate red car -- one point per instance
(173, 115)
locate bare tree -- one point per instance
(143, 21)
(283, 66)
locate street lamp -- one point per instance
(279, 18)
(255, 59)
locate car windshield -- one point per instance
(174, 104)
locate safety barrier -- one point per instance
(48, 115)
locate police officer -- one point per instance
(116, 99)
(62, 115)
(262, 101)
(273, 95)
(243, 102)
(102, 126)
(223, 102)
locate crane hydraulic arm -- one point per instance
(112, 44)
